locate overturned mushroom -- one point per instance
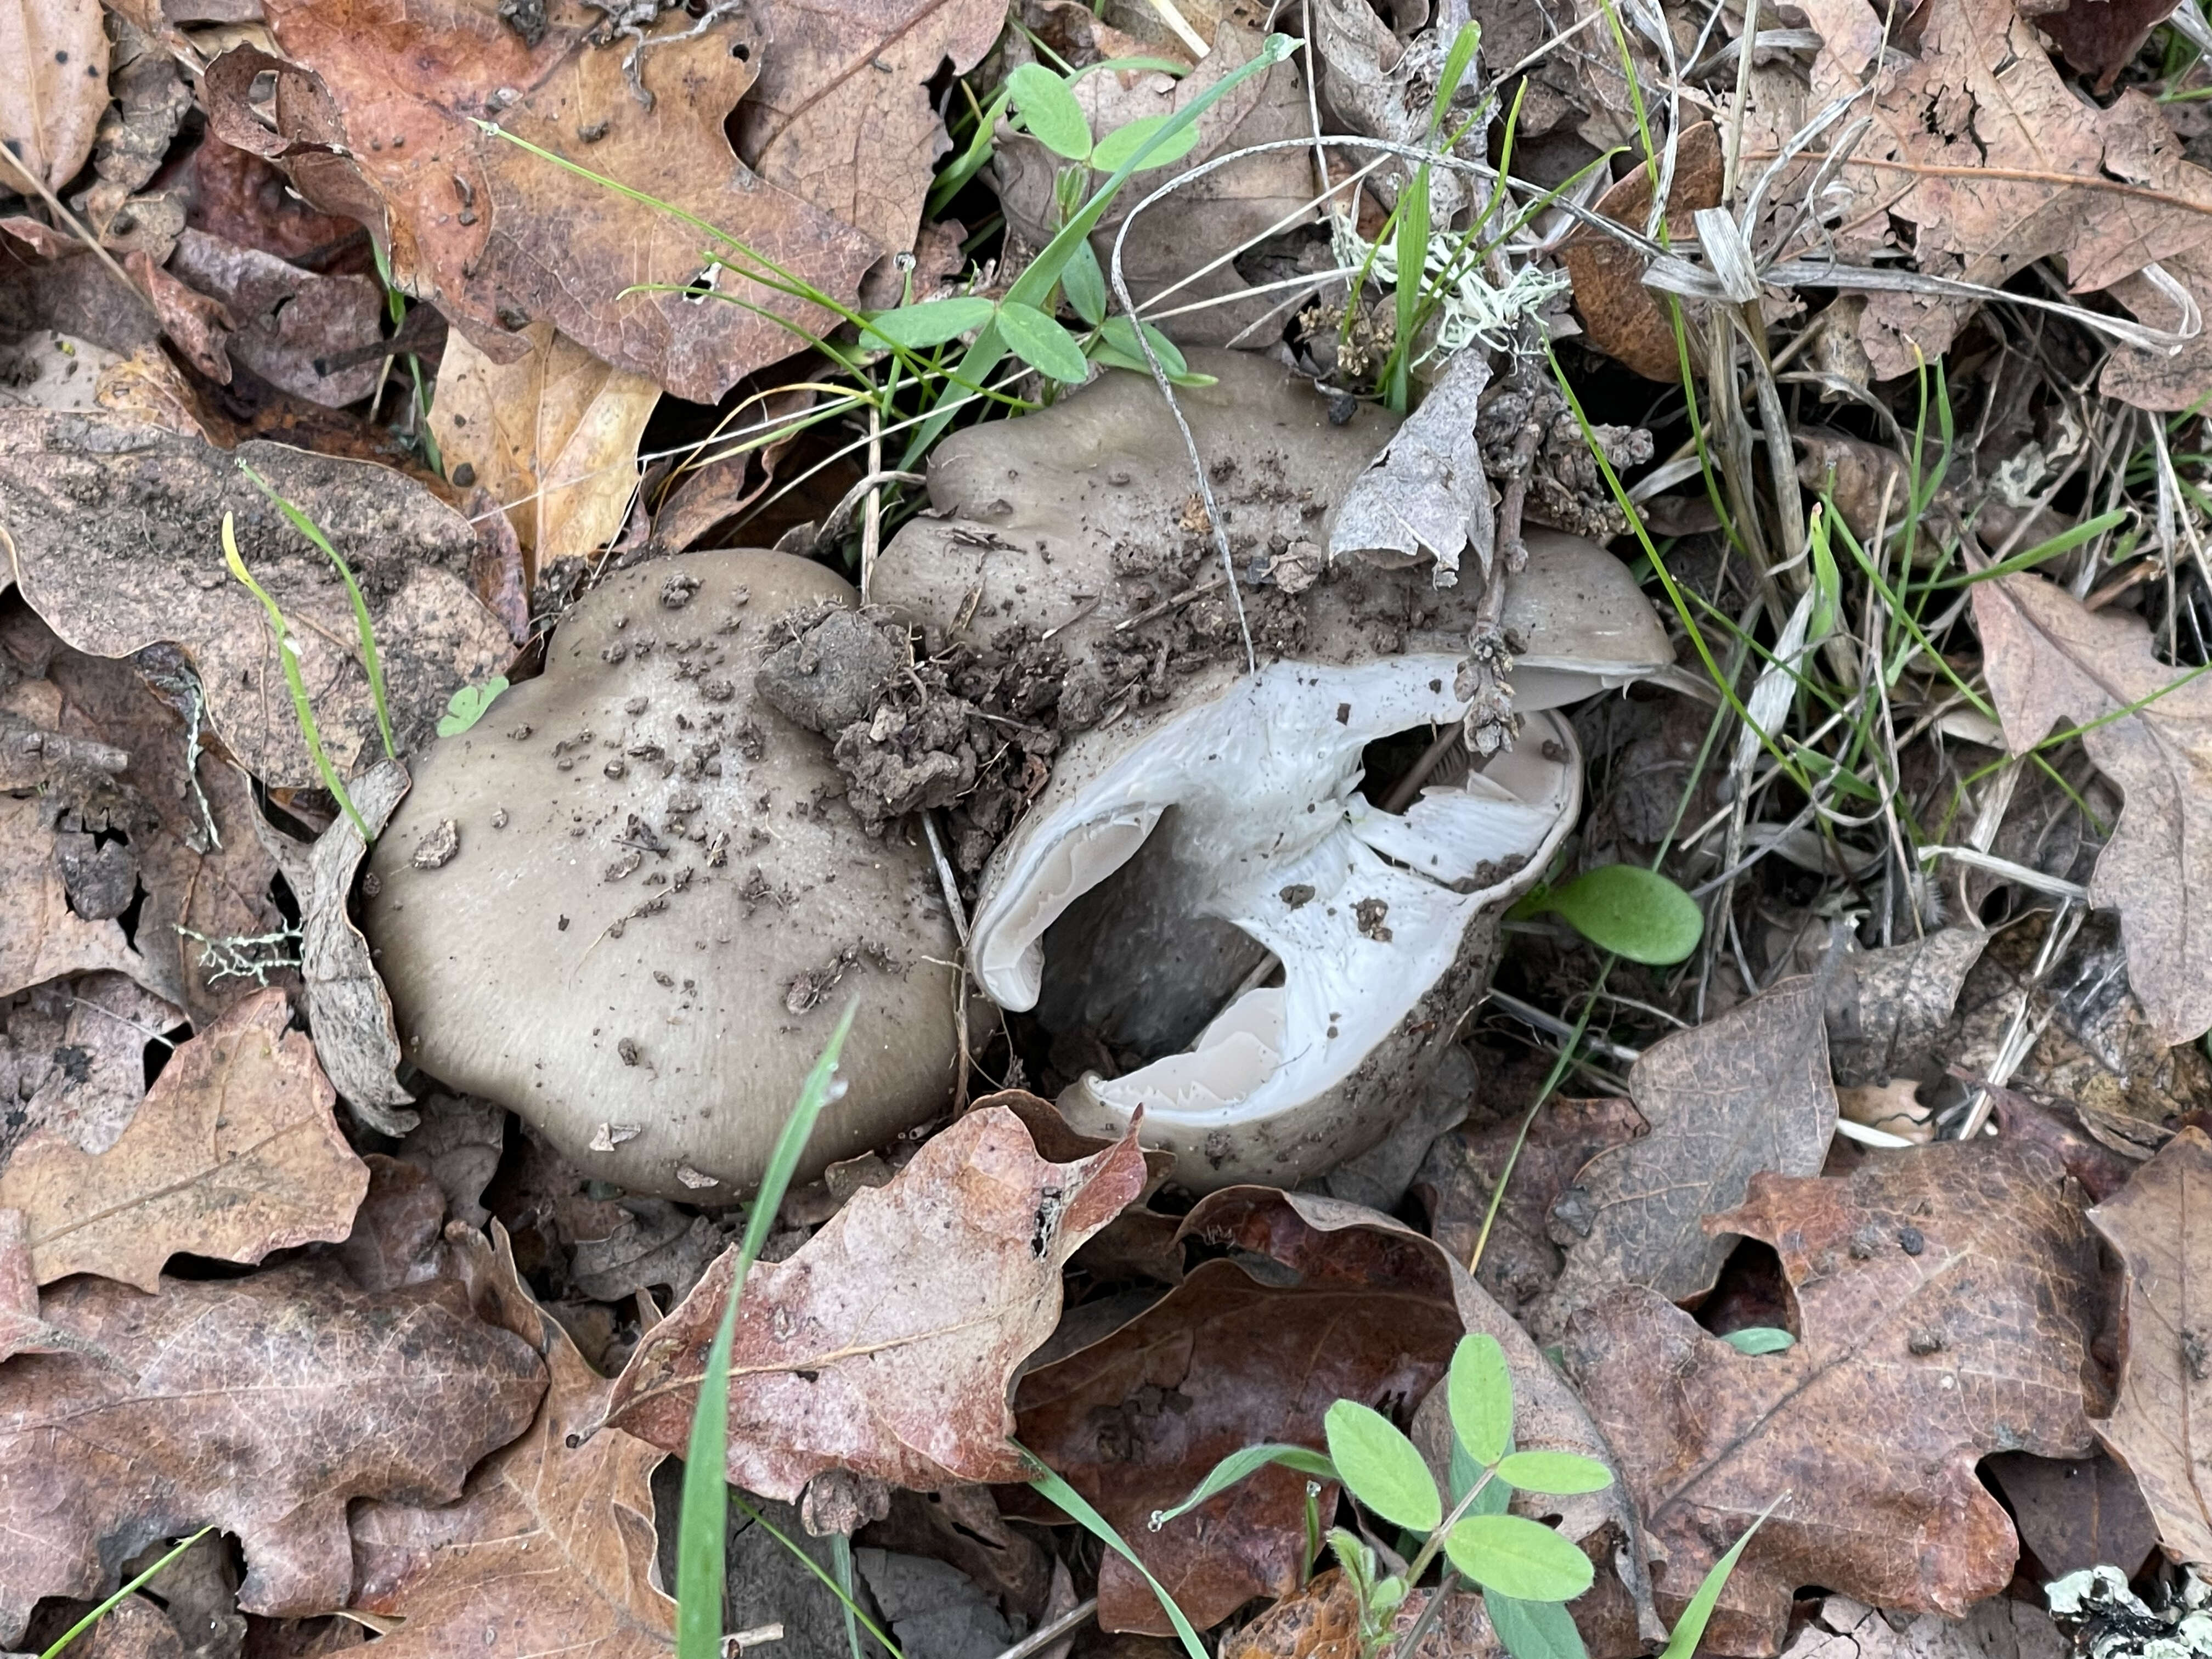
(630, 902)
(1209, 878)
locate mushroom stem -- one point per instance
(1402, 792)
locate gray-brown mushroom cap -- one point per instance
(1201, 881)
(652, 901)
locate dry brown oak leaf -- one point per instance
(1981, 147)
(1945, 1304)
(552, 1547)
(2051, 661)
(261, 1405)
(2161, 1425)
(182, 817)
(1315, 1300)
(886, 1343)
(54, 93)
(837, 135)
(1747, 1092)
(112, 530)
(234, 1154)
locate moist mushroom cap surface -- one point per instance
(659, 901)
(1203, 823)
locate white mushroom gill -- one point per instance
(1247, 809)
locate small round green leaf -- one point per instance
(1479, 1391)
(1120, 334)
(1760, 1339)
(1517, 1557)
(1381, 1466)
(1042, 343)
(1633, 911)
(1559, 1473)
(1085, 284)
(931, 323)
(467, 706)
(1119, 145)
(1049, 111)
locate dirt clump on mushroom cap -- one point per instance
(660, 898)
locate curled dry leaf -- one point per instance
(284, 318)
(1840, 1628)
(1889, 1010)
(21, 1330)
(2161, 1425)
(234, 1154)
(347, 1008)
(885, 1344)
(114, 527)
(552, 1544)
(1746, 1092)
(55, 91)
(1945, 1298)
(1622, 317)
(2075, 1513)
(552, 435)
(262, 1405)
(1317, 1300)
(1426, 497)
(2050, 658)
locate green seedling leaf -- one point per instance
(1118, 147)
(1561, 1474)
(1049, 111)
(931, 323)
(1042, 343)
(950, 182)
(467, 706)
(1683, 1644)
(1633, 911)
(1827, 580)
(1381, 1467)
(702, 1531)
(1120, 334)
(1534, 1630)
(1479, 1391)
(1239, 1464)
(1085, 284)
(1518, 1557)
(1760, 1339)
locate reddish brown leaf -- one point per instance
(1747, 1092)
(1945, 1296)
(1338, 1302)
(552, 1547)
(2074, 1513)
(886, 1343)
(1519, 1258)
(2161, 1426)
(1624, 319)
(262, 1405)
(234, 1154)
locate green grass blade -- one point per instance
(703, 1534)
(307, 527)
(287, 657)
(1049, 1486)
(1695, 1617)
(115, 1601)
